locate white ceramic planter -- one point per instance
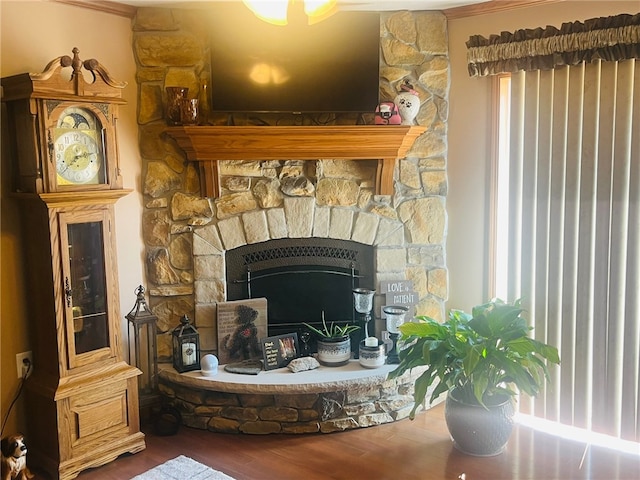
(334, 352)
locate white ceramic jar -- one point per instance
(372, 356)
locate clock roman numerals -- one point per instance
(78, 159)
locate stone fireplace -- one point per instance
(187, 236)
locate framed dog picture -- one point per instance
(241, 325)
(279, 350)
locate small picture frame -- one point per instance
(279, 350)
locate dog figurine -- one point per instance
(14, 458)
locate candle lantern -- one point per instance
(395, 317)
(143, 351)
(186, 346)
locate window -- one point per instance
(567, 233)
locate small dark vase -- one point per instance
(175, 95)
(476, 430)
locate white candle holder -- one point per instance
(363, 304)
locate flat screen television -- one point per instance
(332, 66)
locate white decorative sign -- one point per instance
(399, 292)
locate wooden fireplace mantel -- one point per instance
(207, 145)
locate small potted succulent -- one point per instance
(481, 360)
(334, 343)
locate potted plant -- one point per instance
(482, 360)
(334, 343)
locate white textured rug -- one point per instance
(182, 468)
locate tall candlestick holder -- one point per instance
(363, 304)
(395, 317)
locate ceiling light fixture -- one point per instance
(275, 11)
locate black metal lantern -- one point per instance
(143, 350)
(186, 347)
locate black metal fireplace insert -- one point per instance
(301, 278)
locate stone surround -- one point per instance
(186, 236)
(324, 400)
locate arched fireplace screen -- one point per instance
(300, 278)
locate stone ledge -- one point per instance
(282, 380)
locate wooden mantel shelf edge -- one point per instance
(209, 144)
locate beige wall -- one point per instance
(469, 139)
(32, 34)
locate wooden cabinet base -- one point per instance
(72, 468)
(85, 421)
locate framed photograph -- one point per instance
(241, 325)
(279, 350)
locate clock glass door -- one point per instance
(86, 287)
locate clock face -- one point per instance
(78, 159)
(78, 148)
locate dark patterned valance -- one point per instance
(605, 38)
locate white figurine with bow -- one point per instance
(408, 103)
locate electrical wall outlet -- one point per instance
(21, 365)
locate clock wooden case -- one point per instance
(82, 397)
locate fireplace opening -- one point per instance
(301, 278)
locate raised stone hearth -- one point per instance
(324, 400)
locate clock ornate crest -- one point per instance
(82, 397)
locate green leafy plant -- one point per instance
(332, 331)
(482, 356)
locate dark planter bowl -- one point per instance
(476, 430)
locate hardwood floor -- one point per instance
(405, 450)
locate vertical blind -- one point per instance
(574, 236)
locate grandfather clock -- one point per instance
(82, 397)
